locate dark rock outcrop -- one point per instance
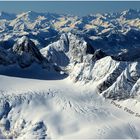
(98, 55)
(27, 52)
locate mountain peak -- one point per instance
(27, 52)
(131, 14)
(23, 39)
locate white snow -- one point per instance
(37, 103)
(61, 109)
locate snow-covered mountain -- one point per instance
(114, 33)
(26, 52)
(62, 76)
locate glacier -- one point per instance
(70, 77)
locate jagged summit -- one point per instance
(69, 48)
(73, 45)
(57, 70)
(27, 51)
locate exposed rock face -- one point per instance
(26, 52)
(6, 57)
(125, 83)
(90, 49)
(98, 55)
(80, 47)
(75, 57)
(68, 49)
(3, 59)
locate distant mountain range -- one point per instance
(102, 48)
(70, 77)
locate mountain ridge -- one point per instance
(67, 77)
(72, 45)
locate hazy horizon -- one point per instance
(79, 8)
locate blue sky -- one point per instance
(79, 8)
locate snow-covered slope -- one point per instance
(112, 77)
(63, 76)
(73, 56)
(114, 33)
(60, 109)
(68, 49)
(125, 82)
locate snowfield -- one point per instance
(70, 77)
(31, 108)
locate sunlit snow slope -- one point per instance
(68, 77)
(61, 109)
